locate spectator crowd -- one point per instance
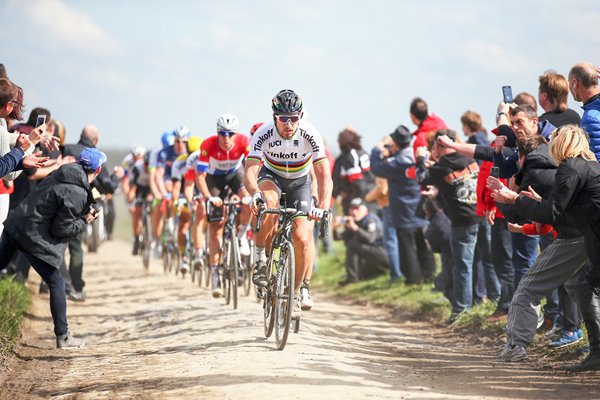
(516, 221)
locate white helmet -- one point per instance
(138, 150)
(183, 132)
(228, 122)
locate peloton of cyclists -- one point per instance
(183, 196)
(282, 152)
(220, 165)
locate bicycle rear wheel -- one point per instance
(166, 258)
(284, 297)
(227, 272)
(234, 265)
(146, 241)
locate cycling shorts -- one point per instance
(218, 183)
(297, 191)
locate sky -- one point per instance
(138, 68)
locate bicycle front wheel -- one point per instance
(268, 294)
(146, 241)
(284, 297)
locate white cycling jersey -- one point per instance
(289, 158)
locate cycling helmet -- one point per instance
(168, 138)
(228, 122)
(182, 133)
(138, 150)
(193, 143)
(286, 102)
(255, 127)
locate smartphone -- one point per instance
(495, 172)
(40, 120)
(507, 94)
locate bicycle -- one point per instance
(146, 235)
(229, 257)
(168, 250)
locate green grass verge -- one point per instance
(418, 300)
(14, 300)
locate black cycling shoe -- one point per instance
(259, 275)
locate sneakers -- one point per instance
(554, 332)
(590, 363)
(306, 302)
(244, 247)
(296, 309)
(259, 276)
(512, 353)
(567, 338)
(77, 296)
(215, 283)
(67, 341)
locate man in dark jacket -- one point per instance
(41, 226)
(105, 183)
(416, 259)
(363, 235)
(455, 176)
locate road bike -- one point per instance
(229, 258)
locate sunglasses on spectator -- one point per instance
(226, 133)
(284, 119)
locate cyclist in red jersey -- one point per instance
(220, 165)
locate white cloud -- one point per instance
(58, 23)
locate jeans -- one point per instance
(502, 260)
(484, 250)
(76, 262)
(525, 251)
(50, 274)
(463, 240)
(390, 240)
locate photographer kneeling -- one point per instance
(40, 227)
(363, 235)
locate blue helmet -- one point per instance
(168, 138)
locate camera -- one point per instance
(495, 172)
(40, 120)
(387, 146)
(507, 94)
(94, 209)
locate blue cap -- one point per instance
(90, 159)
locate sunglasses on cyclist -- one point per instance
(284, 119)
(226, 133)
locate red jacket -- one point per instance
(431, 123)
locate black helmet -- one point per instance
(286, 102)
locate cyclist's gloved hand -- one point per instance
(258, 200)
(317, 213)
(215, 201)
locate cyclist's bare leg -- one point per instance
(199, 226)
(271, 194)
(137, 220)
(157, 221)
(183, 226)
(302, 236)
(214, 244)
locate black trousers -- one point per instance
(365, 260)
(416, 258)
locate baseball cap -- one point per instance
(90, 159)
(401, 135)
(356, 202)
